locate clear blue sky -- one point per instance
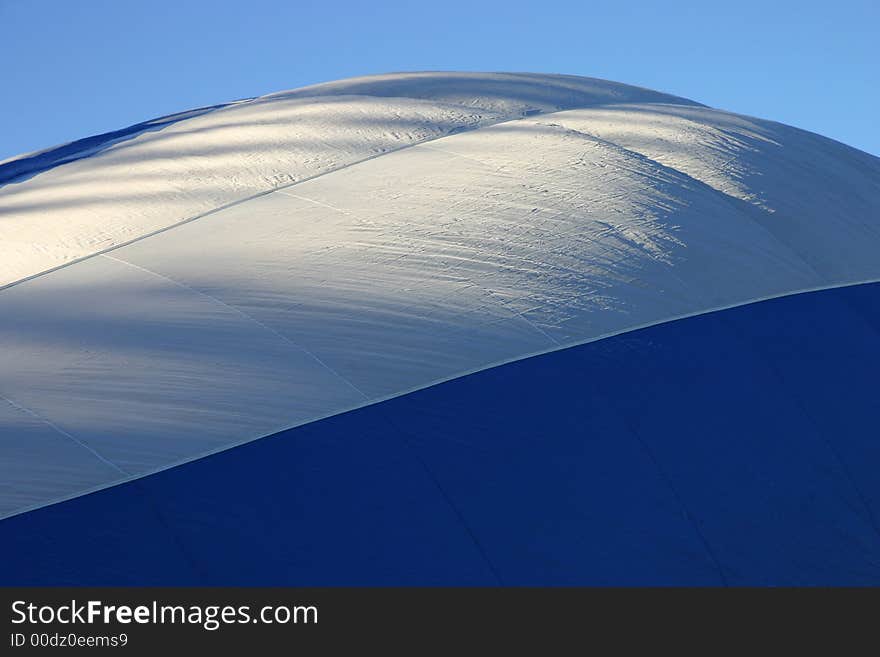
(75, 68)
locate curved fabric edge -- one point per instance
(557, 347)
(735, 447)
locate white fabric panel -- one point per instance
(147, 372)
(157, 178)
(818, 196)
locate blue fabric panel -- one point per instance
(739, 447)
